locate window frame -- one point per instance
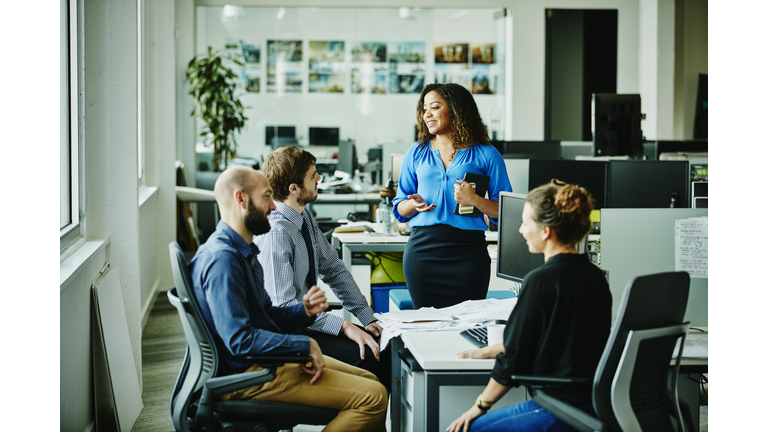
(71, 229)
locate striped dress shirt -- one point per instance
(285, 261)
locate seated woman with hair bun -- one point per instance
(560, 324)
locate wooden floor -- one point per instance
(163, 347)
(162, 351)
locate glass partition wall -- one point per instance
(325, 74)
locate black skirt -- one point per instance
(445, 266)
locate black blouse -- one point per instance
(559, 326)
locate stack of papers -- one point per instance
(459, 317)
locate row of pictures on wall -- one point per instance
(376, 67)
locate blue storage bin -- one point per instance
(380, 295)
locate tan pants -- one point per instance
(356, 393)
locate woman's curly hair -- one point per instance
(563, 207)
(466, 123)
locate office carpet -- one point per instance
(162, 351)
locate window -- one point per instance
(69, 145)
(140, 96)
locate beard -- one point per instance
(256, 220)
(307, 196)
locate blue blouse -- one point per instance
(422, 172)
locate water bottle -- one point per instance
(385, 217)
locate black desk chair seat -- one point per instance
(629, 389)
(195, 402)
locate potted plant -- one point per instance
(213, 85)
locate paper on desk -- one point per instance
(391, 329)
(482, 310)
(458, 317)
(694, 349)
(410, 315)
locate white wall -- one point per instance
(120, 232)
(638, 72)
(367, 118)
(110, 140)
(159, 223)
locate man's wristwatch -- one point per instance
(482, 404)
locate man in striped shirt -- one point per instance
(295, 253)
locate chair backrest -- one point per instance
(655, 301)
(201, 361)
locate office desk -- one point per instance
(433, 388)
(371, 242)
(369, 199)
(438, 387)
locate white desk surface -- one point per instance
(368, 198)
(378, 238)
(437, 350)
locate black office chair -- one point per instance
(195, 403)
(629, 389)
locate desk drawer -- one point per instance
(409, 384)
(406, 419)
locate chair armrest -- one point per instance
(539, 381)
(571, 415)
(226, 384)
(269, 361)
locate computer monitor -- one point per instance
(648, 184)
(397, 161)
(323, 136)
(616, 125)
(347, 157)
(271, 131)
(590, 175)
(514, 261)
(528, 149)
(682, 146)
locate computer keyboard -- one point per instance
(478, 336)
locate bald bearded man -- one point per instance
(229, 285)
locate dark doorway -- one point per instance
(581, 54)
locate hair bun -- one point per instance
(572, 199)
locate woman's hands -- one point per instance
(414, 204)
(419, 204)
(487, 352)
(462, 423)
(464, 193)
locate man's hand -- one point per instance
(362, 338)
(375, 329)
(314, 301)
(314, 367)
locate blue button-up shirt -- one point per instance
(229, 286)
(422, 173)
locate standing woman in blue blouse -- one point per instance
(446, 259)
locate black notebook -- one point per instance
(480, 183)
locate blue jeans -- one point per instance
(522, 417)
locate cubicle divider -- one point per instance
(636, 242)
